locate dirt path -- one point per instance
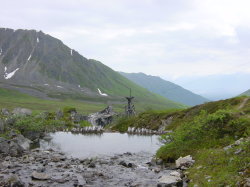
(243, 103)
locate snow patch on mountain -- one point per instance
(59, 86)
(71, 52)
(11, 74)
(29, 58)
(103, 94)
(37, 40)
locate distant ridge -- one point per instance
(165, 88)
(247, 93)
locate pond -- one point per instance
(91, 145)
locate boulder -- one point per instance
(123, 163)
(102, 118)
(34, 135)
(169, 180)
(2, 125)
(5, 112)
(9, 147)
(39, 176)
(22, 112)
(14, 181)
(4, 146)
(15, 149)
(184, 162)
(22, 141)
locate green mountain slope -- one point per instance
(215, 134)
(44, 66)
(165, 88)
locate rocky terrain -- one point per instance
(22, 166)
(51, 168)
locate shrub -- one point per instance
(204, 131)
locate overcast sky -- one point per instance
(203, 45)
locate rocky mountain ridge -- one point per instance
(41, 65)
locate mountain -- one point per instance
(246, 93)
(165, 88)
(41, 65)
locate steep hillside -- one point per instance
(215, 134)
(165, 88)
(247, 93)
(40, 65)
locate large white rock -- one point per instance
(22, 111)
(184, 162)
(169, 180)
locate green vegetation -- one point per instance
(205, 131)
(12, 99)
(202, 132)
(85, 124)
(150, 119)
(53, 63)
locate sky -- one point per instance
(202, 45)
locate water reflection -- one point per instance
(89, 145)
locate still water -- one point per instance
(90, 145)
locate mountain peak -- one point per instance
(39, 64)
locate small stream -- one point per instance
(92, 145)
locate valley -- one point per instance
(63, 123)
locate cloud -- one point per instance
(174, 39)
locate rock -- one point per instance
(102, 118)
(11, 148)
(22, 112)
(184, 162)
(123, 163)
(169, 180)
(159, 161)
(176, 174)
(2, 125)
(33, 135)
(4, 145)
(15, 149)
(22, 141)
(81, 181)
(238, 142)
(246, 182)
(92, 165)
(157, 170)
(78, 118)
(39, 176)
(5, 112)
(10, 121)
(238, 151)
(14, 181)
(131, 165)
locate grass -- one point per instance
(202, 132)
(11, 99)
